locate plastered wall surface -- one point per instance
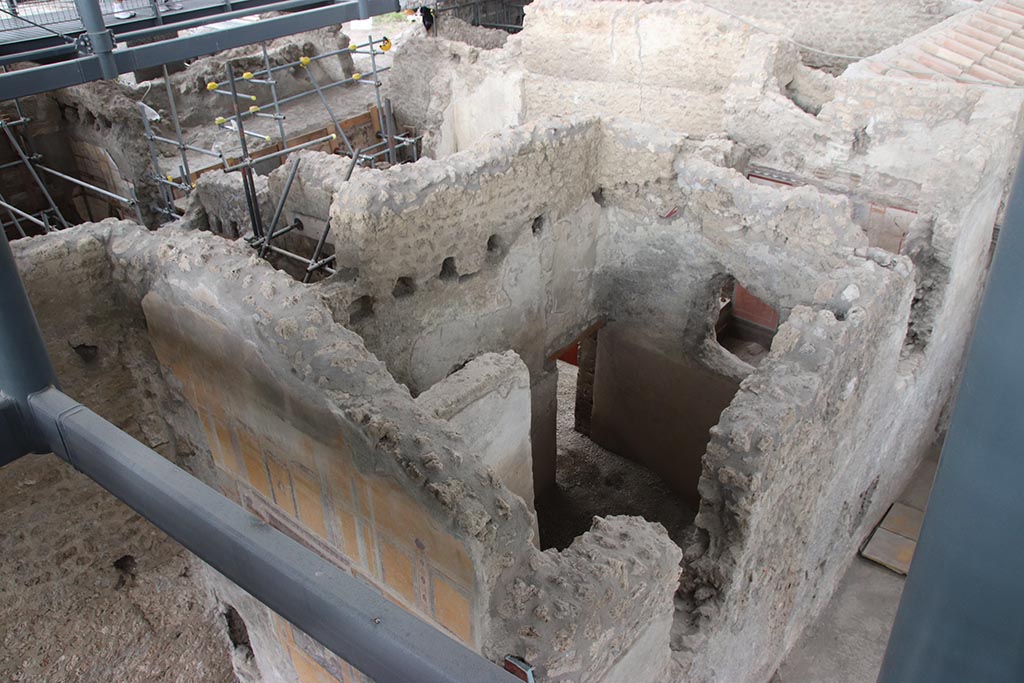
(489, 402)
(857, 29)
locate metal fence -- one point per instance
(503, 14)
(29, 19)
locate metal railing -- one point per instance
(504, 14)
(21, 20)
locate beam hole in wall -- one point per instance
(404, 286)
(538, 225)
(746, 325)
(361, 309)
(598, 196)
(448, 270)
(238, 632)
(495, 249)
(591, 480)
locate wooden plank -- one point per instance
(346, 125)
(890, 550)
(903, 520)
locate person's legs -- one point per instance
(121, 12)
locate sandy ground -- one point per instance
(591, 481)
(91, 592)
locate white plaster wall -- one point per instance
(488, 403)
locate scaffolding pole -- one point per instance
(127, 201)
(248, 183)
(158, 175)
(273, 94)
(32, 171)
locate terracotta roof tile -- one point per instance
(985, 44)
(950, 56)
(983, 74)
(1016, 75)
(978, 36)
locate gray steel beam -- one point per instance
(101, 40)
(961, 617)
(24, 364)
(48, 45)
(75, 71)
(346, 615)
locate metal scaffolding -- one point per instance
(50, 218)
(244, 108)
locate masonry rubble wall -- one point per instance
(789, 246)
(787, 465)
(425, 300)
(575, 58)
(268, 399)
(857, 29)
(92, 132)
(954, 231)
(488, 402)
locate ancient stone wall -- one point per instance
(284, 410)
(488, 402)
(858, 29)
(786, 465)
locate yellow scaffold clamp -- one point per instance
(247, 75)
(353, 47)
(356, 76)
(385, 44)
(334, 136)
(220, 120)
(253, 109)
(304, 62)
(170, 178)
(212, 85)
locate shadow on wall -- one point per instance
(633, 424)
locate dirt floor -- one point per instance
(748, 351)
(90, 591)
(591, 481)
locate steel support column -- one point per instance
(101, 41)
(24, 364)
(961, 617)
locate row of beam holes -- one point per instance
(405, 286)
(362, 308)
